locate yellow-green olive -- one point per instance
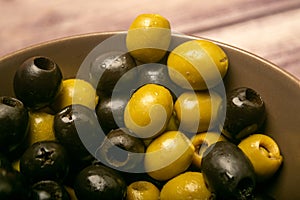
(168, 155)
(201, 142)
(264, 154)
(148, 37)
(197, 64)
(188, 185)
(142, 190)
(75, 91)
(148, 111)
(198, 111)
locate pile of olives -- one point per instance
(152, 122)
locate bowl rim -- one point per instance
(188, 36)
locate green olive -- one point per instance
(197, 64)
(168, 155)
(75, 91)
(142, 190)
(264, 154)
(197, 111)
(148, 38)
(201, 142)
(188, 185)
(148, 111)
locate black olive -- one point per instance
(245, 113)
(110, 111)
(228, 172)
(76, 127)
(107, 69)
(158, 74)
(50, 190)
(45, 160)
(14, 122)
(37, 82)
(13, 186)
(122, 151)
(99, 182)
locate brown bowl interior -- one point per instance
(280, 91)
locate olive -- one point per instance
(188, 185)
(76, 127)
(168, 155)
(108, 68)
(157, 73)
(37, 82)
(201, 142)
(45, 160)
(198, 111)
(227, 171)
(13, 186)
(121, 150)
(14, 123)
(99, 182)
(264, 154)
(41, 126)
(245, 113)
(197, 64)
(50, 190)
(110, 111)
(142, 190)
(75, 91)
(148, 38)
(148, 111)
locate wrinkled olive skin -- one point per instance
(228, 172)
(75, 126)
(110, 111)
(99, 182)
(49, 190)
(107, 69)
(245, 113)
(37, 82)
(122, 151)
(45, 160)
(14, 123)
(13, 186)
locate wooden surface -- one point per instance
(268, 28)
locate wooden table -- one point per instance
(268, 28)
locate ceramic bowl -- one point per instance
(279, 89)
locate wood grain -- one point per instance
(268, 28)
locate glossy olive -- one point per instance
(168, 155)
(245, 113)
(45, 160)
(14, 122)
(99, 182)
(198, 111)
(37, 82)
(142, 190)
(158, 74)
(76, 127)
(107, 69)
(148, 111)
(13, 186)
(197, 64)
(228, 172)
(264, 154)
(110, 111)
(148, 37)
(122, 151)
(50, 190)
